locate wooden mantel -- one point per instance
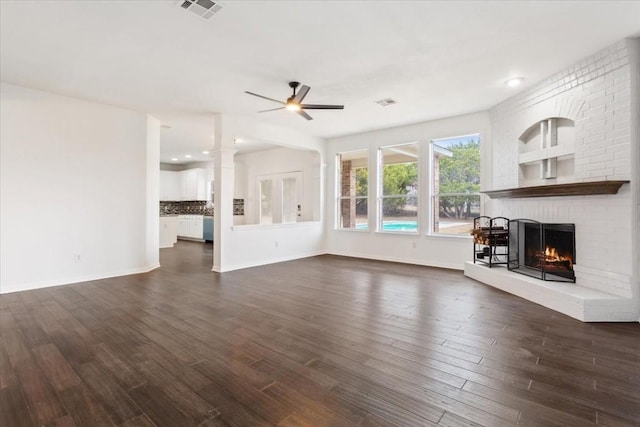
(555, 190)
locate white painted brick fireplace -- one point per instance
(600, 95)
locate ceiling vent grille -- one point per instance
(203, 8)
(385, 102)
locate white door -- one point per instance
(280, 198)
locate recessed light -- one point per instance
(188, 156)
(514, 82)
(237, 140)
(174, 159)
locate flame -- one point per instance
(551, 255)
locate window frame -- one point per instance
(339, 198)
(432, 183)
(380, 196)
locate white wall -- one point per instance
(634, 64)
(276, 161)
(597, 94)
(439, 251)
(74, 181)
(240, 246)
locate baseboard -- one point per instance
(266, 262)
(68, 281)
(450, 266)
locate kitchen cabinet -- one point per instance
(194, 185)
(183, 226)
(170, 186)
(190, 184)
(190, 226)
(196, 227)
(207, 232)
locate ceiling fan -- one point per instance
(293, 103)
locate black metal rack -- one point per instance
(491, 240)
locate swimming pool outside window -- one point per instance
(398, 194)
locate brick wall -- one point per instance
(597, 94)
(348, 206)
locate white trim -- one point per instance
(450, 266)
(399, 233)
(69, 281)
(448, 236)
(267, 262)
(249, 227)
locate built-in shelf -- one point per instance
(556, 190)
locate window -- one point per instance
(353, 188)
(456, 184)
(266, 200)
(280, 198)
(398, 192)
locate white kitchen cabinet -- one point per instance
(190, 184)
(184, 225)
(190, 226)
(170, 186)
(194, 185)
(196, 227)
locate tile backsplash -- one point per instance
(186, 208)
(238, 207)
(197, 208)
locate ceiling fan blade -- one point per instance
(305, 115)
(264, 97)
(321, 107)
(304, 89)
(271, 109)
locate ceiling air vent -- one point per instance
(385, 102)
(204, 8)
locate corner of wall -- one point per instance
(633, 47)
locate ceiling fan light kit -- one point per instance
(294, 104)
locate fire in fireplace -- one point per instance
(544, 251)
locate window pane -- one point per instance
(464, 208)
(266, 197)
(400, 213)
(289, 200)
(456, 184)
(399, 202)
(353, 189)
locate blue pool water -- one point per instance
(394, 226)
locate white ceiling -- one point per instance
(436, 59)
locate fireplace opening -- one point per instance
(544, 251)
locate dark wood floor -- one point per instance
(325, 341)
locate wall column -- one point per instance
(223, 191)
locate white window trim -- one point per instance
(338, 192)
(380, 190)
(431, 195)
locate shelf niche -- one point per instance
(546, 151)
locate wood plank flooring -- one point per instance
(324, 341)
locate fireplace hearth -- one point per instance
(541, 250)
